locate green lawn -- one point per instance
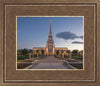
(80, 58)
(77, 56)
(22, 57)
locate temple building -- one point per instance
(50, 48)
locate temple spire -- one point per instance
(50, 26)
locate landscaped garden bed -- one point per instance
(78, 66)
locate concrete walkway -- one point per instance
(50, 63)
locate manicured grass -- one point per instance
(22, 57)
(80, 58)
(77, 57)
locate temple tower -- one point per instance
(50, 47)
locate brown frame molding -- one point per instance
(96, 82)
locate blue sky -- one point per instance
(34, 31)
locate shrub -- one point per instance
(79, 66)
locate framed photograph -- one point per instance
(58, 48)
(49, 43)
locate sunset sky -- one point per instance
(34, 31)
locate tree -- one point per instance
(30, 51)
(75, 52)
(68, 51)
(62, 52)
(42, 52)
(57, 52)
(37, 51)
(81, 51)
(24, 51)
(19, 52)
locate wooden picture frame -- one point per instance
(9, 76)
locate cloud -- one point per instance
(77, 42)
(68, 35)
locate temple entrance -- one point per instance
(50, 53)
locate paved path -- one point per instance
(50, 63)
